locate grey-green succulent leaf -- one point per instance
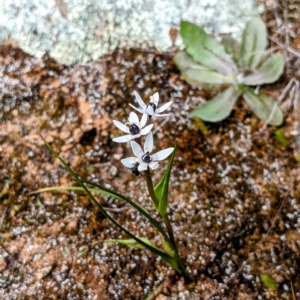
(254, 42)
(233, 47)
(269, 71)
(197, 74)
(234, 79)
(204, 49)
(264, 107)
(218, 108)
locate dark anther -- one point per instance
(134, 129)
(147, 157)
(135, 170)
(152, 105)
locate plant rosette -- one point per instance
(233, 66)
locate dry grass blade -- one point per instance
(293, 291)
(3, 216)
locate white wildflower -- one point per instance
(144, 158)
(151, 108)
(135, 128)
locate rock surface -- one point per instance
(80, 31)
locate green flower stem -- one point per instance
(150, 188)
(169, 228)
(166, 219)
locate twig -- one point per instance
(296, 97)
(115, 210)
(293, 292)
(287, 88)
(287, 35)
(274, 220)
(288, 48)
(281, 97)
(105, 164)
(3, 216)
(275, 10)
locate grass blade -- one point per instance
(131, 243)
(143, 211)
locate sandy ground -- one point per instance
(235, 189)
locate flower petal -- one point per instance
(160, 155)
(161, 115)
(164, 107)
(148, 146)
(145, 130)
(144, 120)
(154, 165)
(154, 98)
(136, 136)
(142, 167)
(142, 111)
(129, 162)
(136, 149)
(123, 138)
(150, 110)
(139, 100)
(121, 126)
(133, 118)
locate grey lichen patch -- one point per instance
(80, 31)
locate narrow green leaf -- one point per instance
(29, 221)
(166, 246)
(196, 74)
(131, 243)
(281, 137)
(219, 107)
(254, 42)
(66, 250)
(171, 260)
(268, 72)
(143, 211)
(162, 188)
(240, 233)
(200, 125)
(204, 49)
(83, 250)
(269, 281)
(264, 107)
